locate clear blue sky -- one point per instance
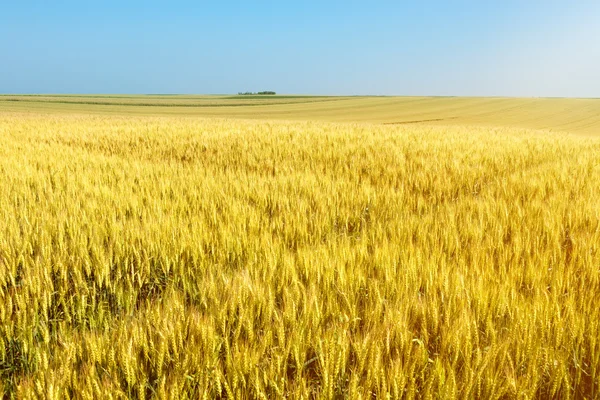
(510, 47)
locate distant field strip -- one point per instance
(579, 116)
(171, 102)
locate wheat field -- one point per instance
(579, 116)
(183, 257)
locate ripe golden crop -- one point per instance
(190, 258)
(580, 116)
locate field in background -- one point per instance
(580, 116)
(183, 257)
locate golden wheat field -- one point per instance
(186, 257)
(581, 116)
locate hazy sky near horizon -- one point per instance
(486, 48)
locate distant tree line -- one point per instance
(253, 93)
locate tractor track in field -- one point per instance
(419, 121)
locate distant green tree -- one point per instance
(266, 92)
